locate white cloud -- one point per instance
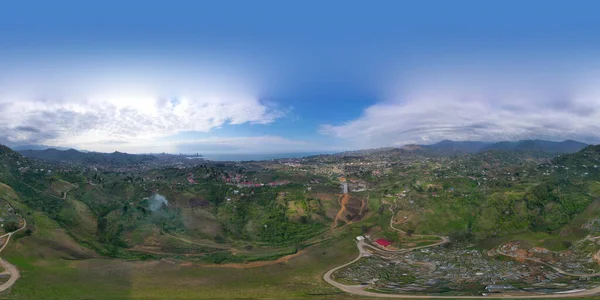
(87, 108)
(471, 109)
(108, 119)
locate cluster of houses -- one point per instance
(237, 180)
(249, 184)
(453, 267)
(190, 178)
(232, 179)
(293, 165)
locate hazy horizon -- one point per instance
(239, 156)
(217, 78)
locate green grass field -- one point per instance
(54, 266)
(45, 275)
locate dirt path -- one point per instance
(363, 205)
(157, 251)
(255, 264)
(360, 289)
(343, 202)
(41, 192)
(557, 269)
(205, 244)
(64, 197)
(445, 239)
(10, 268)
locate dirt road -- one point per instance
(557, 269)
(74, 186)
(360, 289)
(343, 202)
(10, 268)
(255, 264)
(64, 197)
(444, 240)
(205, 243)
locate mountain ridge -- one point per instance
(79, 157)
(448, 146)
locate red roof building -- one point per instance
(383, 243)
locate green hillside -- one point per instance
(113, 214)
(128, 218)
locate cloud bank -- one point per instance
(478, 107)
(92, 108)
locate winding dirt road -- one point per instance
(557, 269)
(10, 268)
(360, 289)
(444, 239)
(64, 197)
(343, 201)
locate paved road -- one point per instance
(557, 269)
(360, 289)
(443, 239)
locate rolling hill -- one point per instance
(568, 146)
(87, 158)
(472, 197)
(449, 147)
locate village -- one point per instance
(408, 191)
(455, 270)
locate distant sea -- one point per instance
(255, 156)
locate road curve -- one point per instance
(360, 289)
(12, 269)
(557, 269)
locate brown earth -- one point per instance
(255, 264)
(343, 201)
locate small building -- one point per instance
(360, 238)
(383, 242)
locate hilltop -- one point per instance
(116, 212)
(450, 147)
(87, 158)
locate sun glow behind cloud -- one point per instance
(141, 106)
(129, 105)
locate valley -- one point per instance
(430, 222)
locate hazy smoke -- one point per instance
(157, 201)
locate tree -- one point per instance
(364, 229)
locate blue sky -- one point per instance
(294, 76)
